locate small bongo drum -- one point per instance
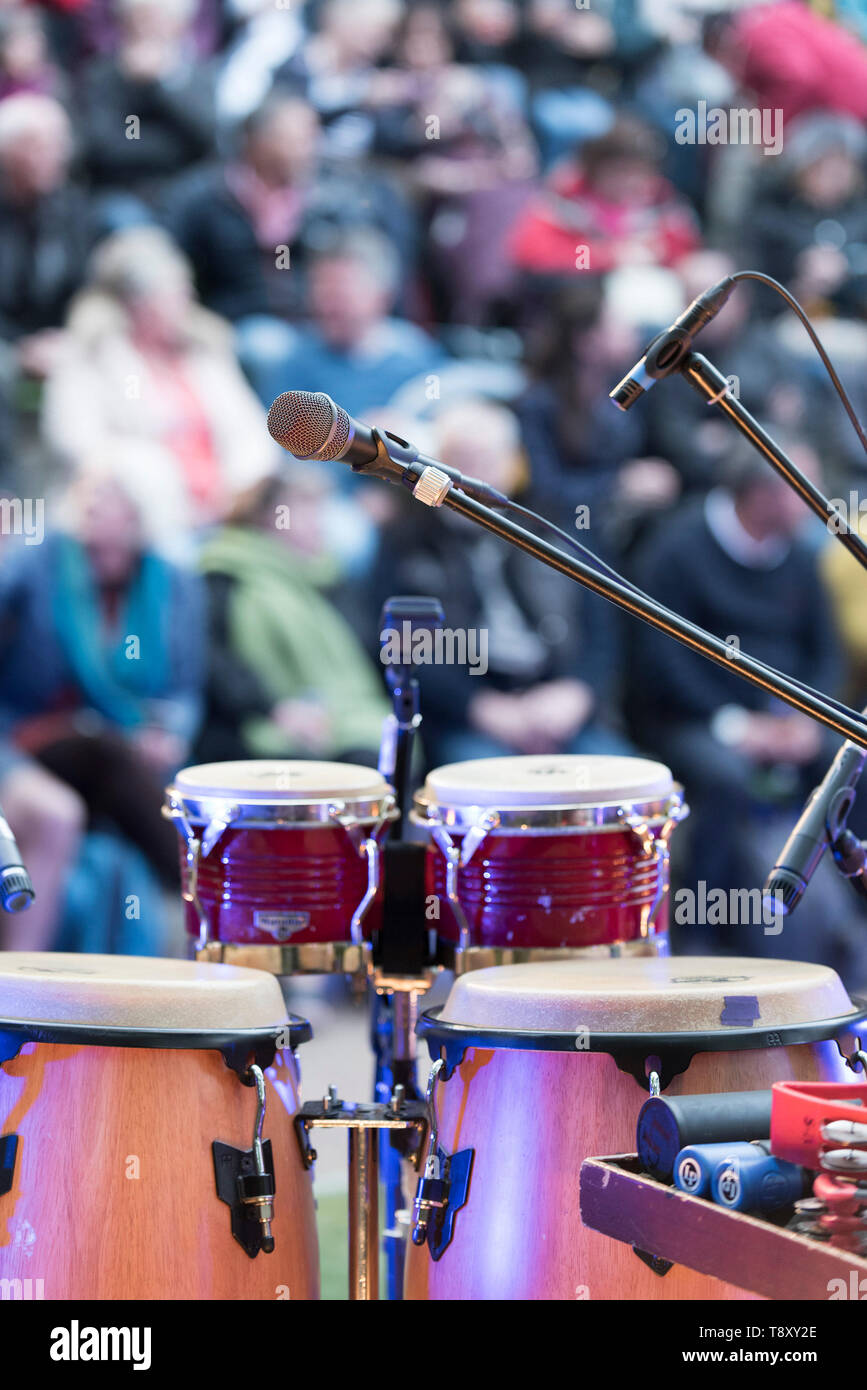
(147, 1147)
(536, 855)
(280, 861)
(546, 1064)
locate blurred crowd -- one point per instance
(462, 219)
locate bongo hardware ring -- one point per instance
(198, 847)
(199, 844)
(655, 844)
(366, 846)
(444, 1185)
(651, 835)
(457, 857)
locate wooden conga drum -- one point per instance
(118, 1075)
(550, 1063)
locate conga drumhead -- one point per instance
(136, 992)
(646, 994)
(537, 780)
(280, 779)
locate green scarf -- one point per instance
(295, 641)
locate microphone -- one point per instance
(666, 352)
(310, 425)
(821, 819)
(16, 890)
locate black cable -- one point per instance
(814, 338)
(602, 565)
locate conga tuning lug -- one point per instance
(243, 1190)
(442, 1190)
(239, 1058)
(452, 1056)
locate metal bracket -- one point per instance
(245, 1181)
(444, 1186)
(442, 1191)
(333, 1113)
(8, 1152)
(361, 1119)
(235, 1171)
(654, 1262)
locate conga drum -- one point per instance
(280, 862)
(132, 1095)
(550, 1063)
(531, 856)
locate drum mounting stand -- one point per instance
(362, 1120)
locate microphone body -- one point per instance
(826, 806)
(666, 352)
(310, 425)
(16, 890)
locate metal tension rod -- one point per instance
(845, 722)
(710, 383)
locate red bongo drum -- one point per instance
(549, 854)
(280, 861)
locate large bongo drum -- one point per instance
(280, 861)
(550, 1063)
(533, 855)
(131, 1099)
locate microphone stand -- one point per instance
(401, 974)
(842, 721)
(710, 383)
(397, 462)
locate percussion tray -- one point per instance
(620, 1201)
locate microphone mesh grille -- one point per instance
(302, 422)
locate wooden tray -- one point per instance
(620, 1201)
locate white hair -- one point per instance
(29, 113)
(481, 419)
(135, 259)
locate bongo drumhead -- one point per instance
(136, 992)
(281, 780)
(540, 780)
(687, 994)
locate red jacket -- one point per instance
(568, 216)
(795, 60)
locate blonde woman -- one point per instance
(148, 377)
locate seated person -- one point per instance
(101, 664)
(608, 207)
(541, 651)
(737, 564)
(287, 676)
(149, 378)
(352, 346)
